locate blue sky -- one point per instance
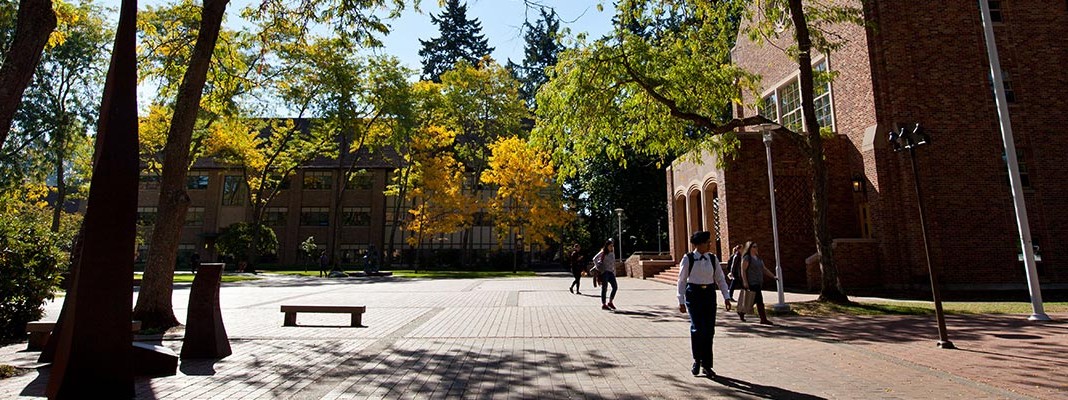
(501, 23)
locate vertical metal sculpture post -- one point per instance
(93, 356)
(909, 139)
(619, 232)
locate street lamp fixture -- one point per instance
(858, 184)
(908, 138)
(619, 231)
(766, 129)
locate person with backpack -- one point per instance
(699, 276)
(605, 264)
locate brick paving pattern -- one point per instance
(530, 338)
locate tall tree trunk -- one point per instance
(830, 288)
(35, 22)
(61, 183)
(154, 307)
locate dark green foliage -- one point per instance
(31, 260)
(461, 39)
(235, 240)
(542, 46)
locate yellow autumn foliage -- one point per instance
(527, 195)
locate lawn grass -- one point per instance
(815, 308)
(188, 278)
(407, 273)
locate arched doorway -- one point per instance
(711, 218)
(679, 227)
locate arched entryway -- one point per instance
(678, 223)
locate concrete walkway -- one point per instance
(530, 338)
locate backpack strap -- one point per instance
(693, 260)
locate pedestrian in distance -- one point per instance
(605, 264)
(574, 260)
(323, 261)
(699, 277)
(753, 272)
(734, 265)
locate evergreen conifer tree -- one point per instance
(461, 39)
(542, 46)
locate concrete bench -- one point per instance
(40, 331)
(291, 312)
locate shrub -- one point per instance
(235, 240)
(31, 261)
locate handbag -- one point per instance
(745, 301)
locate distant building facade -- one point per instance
(305, 207)
(925, 63)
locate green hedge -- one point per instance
(31, 261)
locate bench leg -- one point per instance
(357, 319)
(37, 341)
(291, 319)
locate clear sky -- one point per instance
(501, 20)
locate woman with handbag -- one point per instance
(753, 271)
(605, 265)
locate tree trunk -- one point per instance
(34, 23)
(154, 307)
(61, 183)
(830, 288)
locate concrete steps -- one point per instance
(669, 276)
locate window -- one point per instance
(275, 216)
(314, 216)
(995, 11)
(148, 182)
(1006, 83)
(483, 218)
(318, 180)
(361, 180)
(1025, 175)
(783, 105)
(351, 253)
(865, 220)
(357, 216)
(194, 216)
(146, 216)
(196, 181)
(234, 191)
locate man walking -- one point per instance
(698, 271)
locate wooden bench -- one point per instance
(291, 312)
(40, 331)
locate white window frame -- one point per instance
(793, 79)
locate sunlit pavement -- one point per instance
(531, 338)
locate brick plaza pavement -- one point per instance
(530, 338)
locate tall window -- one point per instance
(148, 182)
(318, 180)
(995, 11)
(361, 180)
(352, 253)
(314, 216)
(275, 216)
(194, 216)
(783, 105)
(1021, 162)
(357, 216)
(146, 216)
(196, 181)
(1006, 81)
(234, 191)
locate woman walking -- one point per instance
(605, 263)
(753, 271)
(574, 260)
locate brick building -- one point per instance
(306, 207)
(920, 62)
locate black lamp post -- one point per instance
(909, 139)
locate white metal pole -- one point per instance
(619, 229)
(1037, 312)
(781, 306)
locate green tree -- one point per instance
(539, 53)
(51, 136)
(237, 239)
(460, 39)
(659, 86)
(275, 19)
(267, 152)
(25, 32)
